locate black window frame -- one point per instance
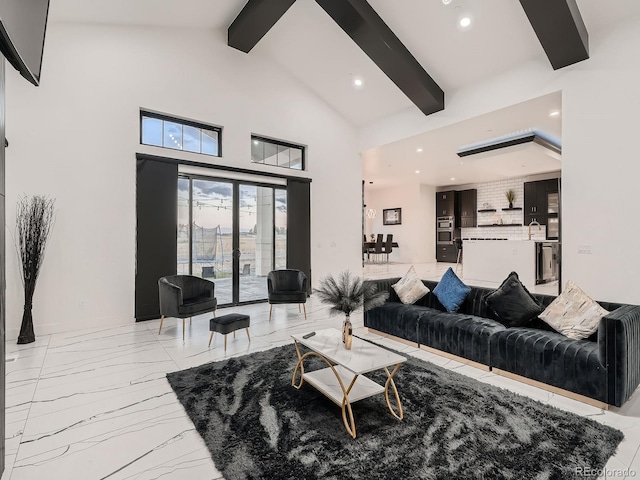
(282, 143)
(184, 122)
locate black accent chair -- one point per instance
(183, 296)
(287, 286)
(378, 248)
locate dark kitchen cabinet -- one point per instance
(542, 204)
(445, 203)
(537, 197)
(446, 253)
(466, 215)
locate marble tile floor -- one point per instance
(95, 404)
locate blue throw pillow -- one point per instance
(450, 291)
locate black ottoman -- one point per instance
(226, 324)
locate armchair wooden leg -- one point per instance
(248, 336)
(161, 320)
(299, 309)
(234, 334)
(304, 307)
(190, 321)
(270, 309)
(225, 343)
(211, 337)
(183, 322)
(214, 314)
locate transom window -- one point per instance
(165, 131)
(275, 152)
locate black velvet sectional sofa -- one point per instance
(604, 367)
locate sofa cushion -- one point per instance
(410, 288)
(450, 291)
(397, 319)
(551, 358)
(512, 304)
(463, 335)
(573, 313)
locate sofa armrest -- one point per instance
(619, 349)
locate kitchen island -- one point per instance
(493, 260)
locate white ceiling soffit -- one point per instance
(396, 164)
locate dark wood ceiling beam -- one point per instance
(361, 22)
(560, 29)
(254, 21)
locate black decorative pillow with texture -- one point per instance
(512, 304)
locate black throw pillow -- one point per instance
(512, 304)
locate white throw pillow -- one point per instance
(573, 313)
(410, 288)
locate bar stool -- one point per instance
(458, 244)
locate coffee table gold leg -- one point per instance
(349, 424)
(299, 366)
(390, 381)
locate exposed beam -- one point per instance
(254, 21)
(532, 137)
(560, 29)
(360, 21)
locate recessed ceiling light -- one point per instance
(358, 82)
(419, 150)
(452, 179)
(555, 113)
(465, 22)
(446, 2)
(417, 171)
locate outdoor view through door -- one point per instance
(232, 233)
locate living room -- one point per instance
(75, 139)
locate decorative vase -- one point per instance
(347, 333)
(510, 204)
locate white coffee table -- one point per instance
(343, 381)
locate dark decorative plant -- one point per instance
(348, 293)
(34, 219)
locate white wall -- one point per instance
(74, 138)
(600, 171)
(416, 234)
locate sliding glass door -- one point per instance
(231, 233)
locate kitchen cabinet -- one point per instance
(445, 203)
(541, 201)
(466, 215)
(446, 253)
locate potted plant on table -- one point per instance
(347, 294)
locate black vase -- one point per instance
(26, 329)
(510, 204)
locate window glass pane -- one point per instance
(283, 156)
(209, 142)
(183, 226)
(151, 131)
(172, 135)
(295, 157)
(270, 154)
(281, 229)
(191, 137)
(257, 151)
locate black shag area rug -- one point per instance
(257, 426)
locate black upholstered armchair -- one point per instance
(287, 286)
(183, 296)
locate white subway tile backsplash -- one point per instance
(492, 195)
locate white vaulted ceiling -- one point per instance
(310, 46)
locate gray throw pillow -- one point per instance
(573, 313)
(410, 288)
(512, 304)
